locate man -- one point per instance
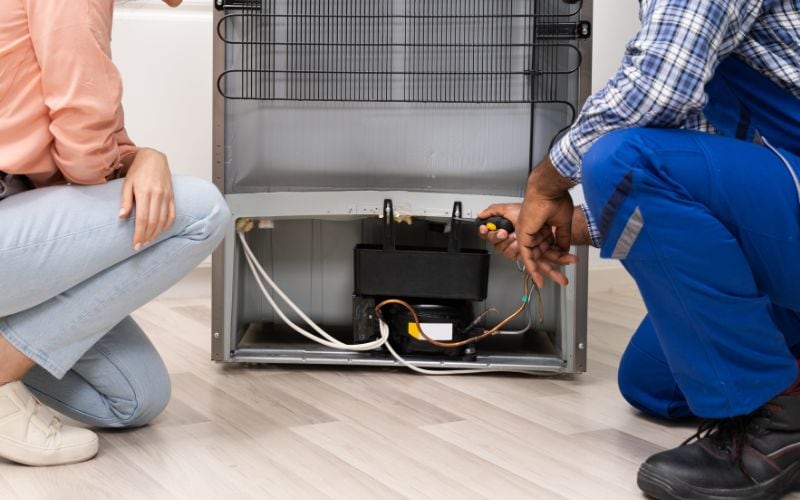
(688, 160)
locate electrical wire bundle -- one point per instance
(324, 338)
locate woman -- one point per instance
(105, 230)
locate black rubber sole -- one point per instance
(657, 486)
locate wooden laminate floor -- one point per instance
(295, 433)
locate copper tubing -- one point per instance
(477, 338)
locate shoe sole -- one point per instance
(27, 455)
(656, 486)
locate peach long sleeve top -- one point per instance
(61, 114)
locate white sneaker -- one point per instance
(31, 434)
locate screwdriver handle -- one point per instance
(496, 223)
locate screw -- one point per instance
(581, 346)
(219, 3)
(216, 335)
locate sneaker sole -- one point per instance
(656, 486)
(27, 455)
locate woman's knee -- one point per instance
(145, 403)
(201, 203)
(128, 403)
(141, 389)
(150, 404)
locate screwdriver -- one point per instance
(494, 223)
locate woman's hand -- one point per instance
(148, 186)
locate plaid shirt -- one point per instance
(662, 78)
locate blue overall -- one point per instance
(709, 227)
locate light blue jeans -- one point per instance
(71, 278)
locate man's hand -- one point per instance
(546, 224)
(148, 185)
(506, 244)
(503, 242)
(546, 252)
(547, 204)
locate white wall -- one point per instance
(165, 58)
(615, 22)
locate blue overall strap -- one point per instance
(742, 102)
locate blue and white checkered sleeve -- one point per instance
(662, 77)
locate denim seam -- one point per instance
(88, 230)
(39, 357)
(58, 238)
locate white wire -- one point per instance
(253, 261)
(332, 342)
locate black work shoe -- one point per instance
(750, 457)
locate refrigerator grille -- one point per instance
(411, 51)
